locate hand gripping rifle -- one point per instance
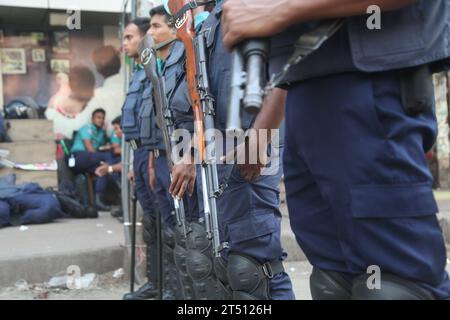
(203, 108)
(249, 61)
(164, 116)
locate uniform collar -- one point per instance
(176, 53)
(93, 127)
(200, 18)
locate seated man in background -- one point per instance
(86, 155)
(115, 166)
(114, 169)
(116, 138)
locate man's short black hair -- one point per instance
(99, 110)
(160, 10)
(117, 120)
(143, 24)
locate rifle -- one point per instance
(164, 116)
(203, 108)
(249, 59)
(248, 81)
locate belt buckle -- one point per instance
(267, 269)
(156, 153)
(133, 144)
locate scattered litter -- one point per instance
(109, 232)
(118, 273)
(23, 228)
(85, 282)
(58, 282)
(292, 269)
(21, 285)
(99, 225)
(72, 282)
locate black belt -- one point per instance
(135, 144)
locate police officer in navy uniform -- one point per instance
(133, 34)
(193, 251)
(249, 216)
(359, 117)
(151, 138)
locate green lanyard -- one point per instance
(66, 151)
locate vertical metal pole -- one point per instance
(159, 270)
(129, 222)
(133, 241)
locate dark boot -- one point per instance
(150, 289)
(147, 291)
(116, 212)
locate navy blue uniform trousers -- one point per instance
(250, 220)
(358, 186)
(146, 197)
(162, 184)
(144, 193)
(89, 161)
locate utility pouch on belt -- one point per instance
(417, 90)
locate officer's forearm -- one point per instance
(295, 11)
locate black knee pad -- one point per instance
(220, 267)
(196, 238)
(180, 257)
(168, 237)
(199, 264)
(329, 285)
(249, 279)
(180, 237)
(391, 288)
(149, 232)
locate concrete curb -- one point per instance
(39, 269)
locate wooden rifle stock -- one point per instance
(186, 34)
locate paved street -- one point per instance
(91, 243)
(108, 288)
